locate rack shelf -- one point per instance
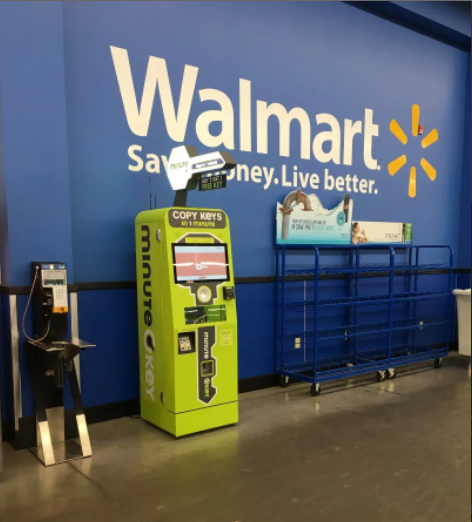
(366, 269)
(301, 351)
(353, 331)
(370, 300)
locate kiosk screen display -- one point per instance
(200, 263)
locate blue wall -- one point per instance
(466, 197)
(34, 134)
(110, 319)
(371, 63)
(70, 194)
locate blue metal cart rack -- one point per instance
(344, 311)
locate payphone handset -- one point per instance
(49, 300)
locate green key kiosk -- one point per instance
(186, 304)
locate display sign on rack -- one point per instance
(382, 233)
(302, 219)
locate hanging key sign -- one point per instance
(185, 167)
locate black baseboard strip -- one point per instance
(257, 383)
(110, 285)
(7, 432)
(131, 285)
(115, 410)
(26, 436)
(14, 290)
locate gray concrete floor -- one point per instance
(390, 452)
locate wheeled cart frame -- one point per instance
(345, 311)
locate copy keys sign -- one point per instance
(206, 364)
(191, 218)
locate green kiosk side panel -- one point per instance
(150, 315)
(187, 320)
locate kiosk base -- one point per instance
(188, 423)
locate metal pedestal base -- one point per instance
(60, 452)
(49, 365)
(52, 447)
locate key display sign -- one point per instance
(218, 181)
(185, 167)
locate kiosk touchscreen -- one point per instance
(198, 262)
(187, 318)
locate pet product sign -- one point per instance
(302, 219)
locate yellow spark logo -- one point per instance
(428, 140)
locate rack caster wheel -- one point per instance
(382, 376)
(283, 381)
(391, 373)
(315, 390)
(438, 363)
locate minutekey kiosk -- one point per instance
(186, 305)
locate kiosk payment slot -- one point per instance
(187, 316)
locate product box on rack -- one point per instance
(302, 219)
(382, 233)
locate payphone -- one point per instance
(51, 355)
(49, 300)
(187, 307)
